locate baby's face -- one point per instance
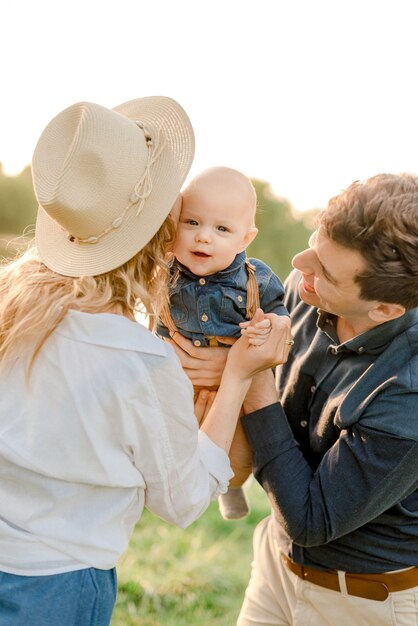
(212, 230)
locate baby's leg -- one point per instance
(240, 456)
(201, 408)
(233, 504)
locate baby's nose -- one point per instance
(203, 234)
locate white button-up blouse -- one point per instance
(103, 427)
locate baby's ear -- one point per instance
(176, 209)
(249, 236)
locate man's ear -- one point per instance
(249, 236)
(386, 311)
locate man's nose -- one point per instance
(305, 261)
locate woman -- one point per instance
(97, 417)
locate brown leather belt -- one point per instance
(370, 586)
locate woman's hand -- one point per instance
(256, 333)
(245, 359)
(243, 362)
(204, 366)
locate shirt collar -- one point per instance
(110, 330)
(375, 340)
(236, 264)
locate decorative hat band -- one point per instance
(141, 190)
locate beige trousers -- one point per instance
(276, 596)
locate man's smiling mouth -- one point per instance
(307, 287)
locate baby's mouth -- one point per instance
(201, 255)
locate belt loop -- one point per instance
(342, 583)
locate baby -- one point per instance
(215, 287)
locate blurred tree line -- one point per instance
(17, 211)
(17, 202)
(281, 231)
(281, 234)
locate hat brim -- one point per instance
(168, 175)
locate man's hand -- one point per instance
(204, 366)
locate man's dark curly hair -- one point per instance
(379, 218)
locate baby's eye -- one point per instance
(191, 222)
(223, 229)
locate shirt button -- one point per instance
(204, 317)
(361, 349)
(202, 281)
(240, 298)
(197, 343)
(313, 388)
(303, 423)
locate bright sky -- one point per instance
(307, 95)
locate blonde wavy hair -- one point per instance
(34, 299)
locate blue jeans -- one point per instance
(81, 598)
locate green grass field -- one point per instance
(191, 577)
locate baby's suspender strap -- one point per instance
(253, 296)
(253, 300)
(167, 320)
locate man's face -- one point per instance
(328, 272)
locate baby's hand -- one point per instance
(258, 333)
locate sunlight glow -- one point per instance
(307, 96)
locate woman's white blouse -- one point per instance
(103, 427)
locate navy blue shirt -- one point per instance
(210, 306)
(339, 453)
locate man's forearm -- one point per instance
(262, 392)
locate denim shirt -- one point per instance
(214, 305)
(339, 453)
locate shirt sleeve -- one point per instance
(183, 469)
(367, 471)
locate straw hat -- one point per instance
(106, 179)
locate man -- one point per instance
(338, 454)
